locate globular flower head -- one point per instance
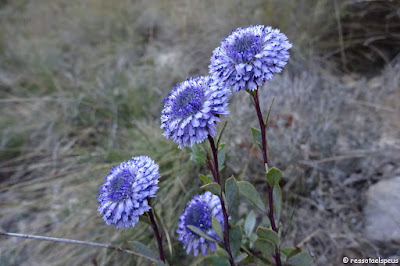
(199, 212)
(192, 109)
(248, 57)
(123, 196)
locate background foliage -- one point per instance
(82, 85)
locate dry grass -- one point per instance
(81, 88)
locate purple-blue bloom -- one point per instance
(199, 212)
(248, 57)
(123, 196)
(192, 109)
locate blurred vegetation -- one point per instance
(82, 85)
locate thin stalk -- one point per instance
(157, 234)
(263, 127)
(217, 178)
(76, 242)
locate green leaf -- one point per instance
(273, 176)
(221, 156)
(222, 132)
(205, 179)
(198, 155)
(287, 250)
(256, 134)
(240, 257)
(144, 250)
(249, 223)
(213, 187)
(268, 234)
(266, 222)
(265, 246)
(222, 253)
(248, 190)
(217, 227)
(301, 259)
(277, 198)
(253, 237)
(293, 252)
(269, 111)
(217, 261)
(199, 232)
(235, 239)
(231, 191)
(245, 248)
(266, 261)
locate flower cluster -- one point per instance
(199, 212)
(123, 196)
(245, 60)
(249, 57)
(192, 109)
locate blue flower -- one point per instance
(192, 109)
(249, 57)
(123, 196)
(199, 212)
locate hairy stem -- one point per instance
(158, 235)
(76, 242)
(263, 127)
(217, 178)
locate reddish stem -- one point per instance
(157, 234)
(263, 127)
(217, 178)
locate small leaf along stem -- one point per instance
(222, 132)
(263, 127)
(217, 178)
(157, 234)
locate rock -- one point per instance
(382, 212)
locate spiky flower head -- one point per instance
(248, 57)
(199, 212)
(192, 109)
(123, 196)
